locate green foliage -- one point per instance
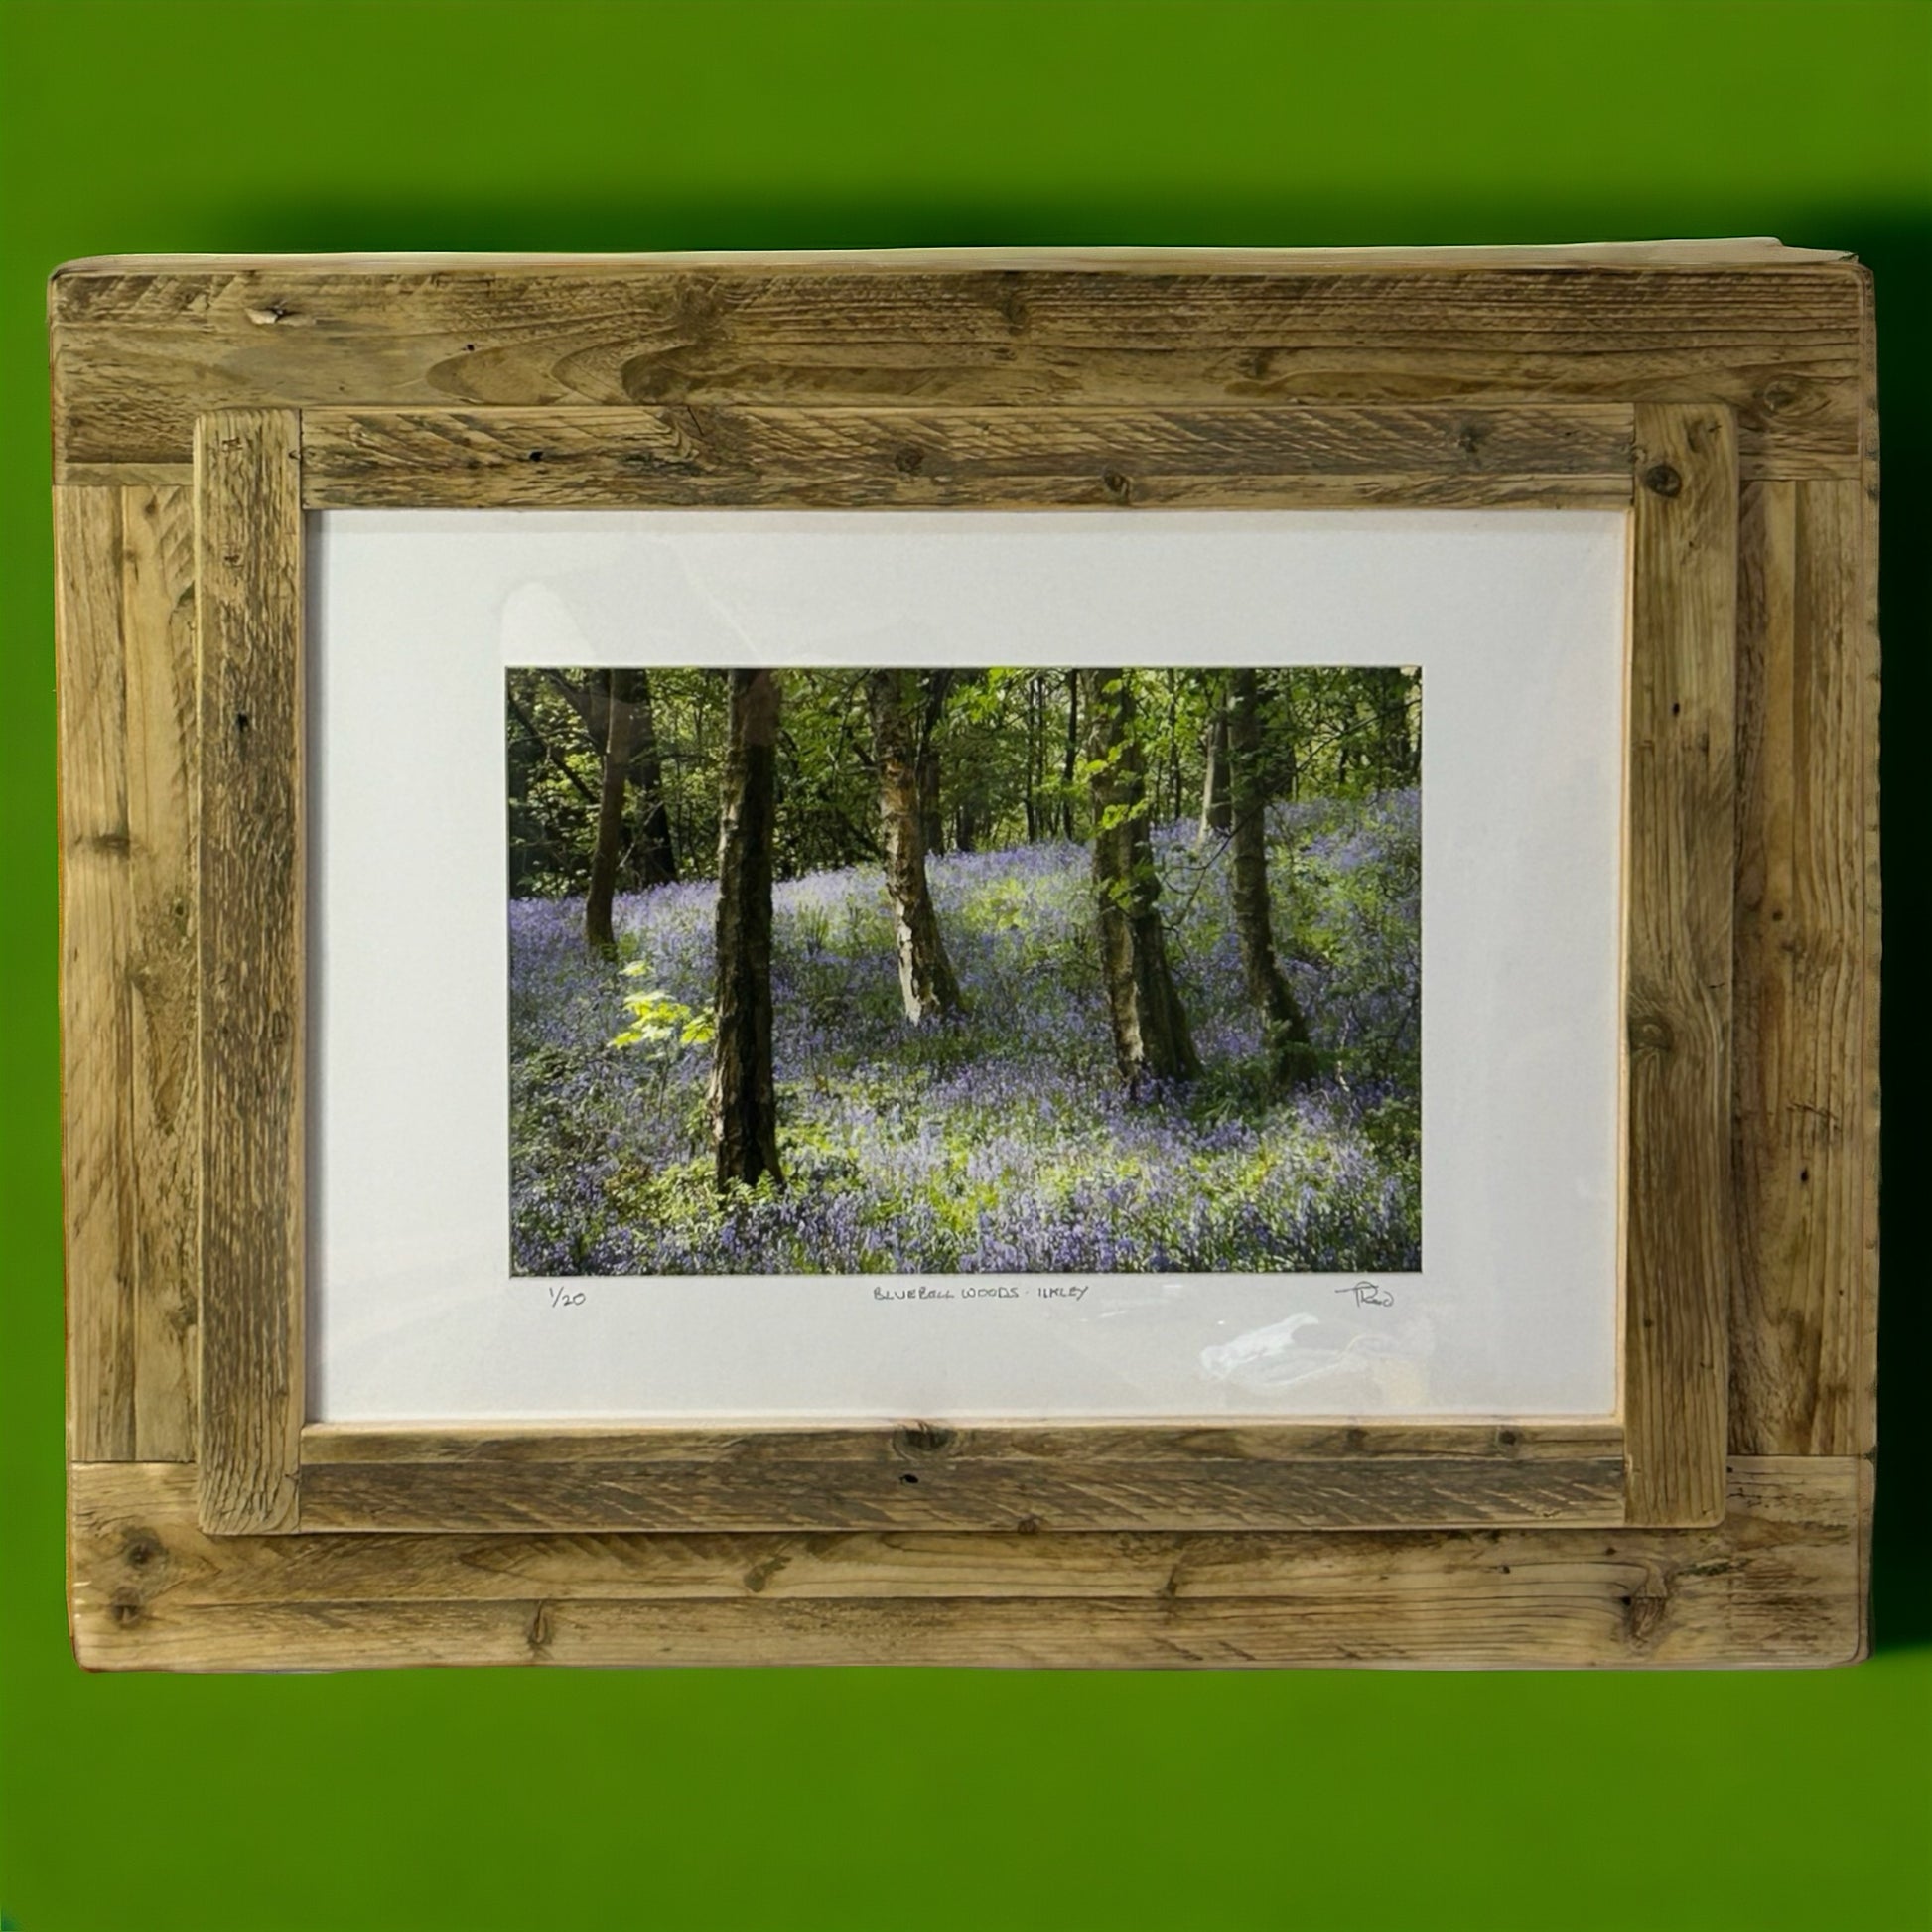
(658, 1021)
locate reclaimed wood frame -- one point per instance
(1719, 392)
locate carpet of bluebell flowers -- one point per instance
(1003, 1140)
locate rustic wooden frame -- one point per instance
(1720, 392)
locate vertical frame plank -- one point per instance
(1803, 1141)
(96, 947)
(248, 540)
(158, 632)
(126, 674)
(1679, 1226)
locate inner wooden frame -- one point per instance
(263, 1469)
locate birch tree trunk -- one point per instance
(1285, 1029)
(743, 1102)
(1216, 814)
(925, 975)
(598, 933)
(1151, 1032)
(935, 687)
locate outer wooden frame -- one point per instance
(1276, 379)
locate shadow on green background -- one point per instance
(859, 1800)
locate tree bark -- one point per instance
(1151, 1032)
(925, 975)
(935, 686)
(608, 849)
(656, 855)
(743, 1099)
(1216, 813)
(656, 858)
(1285, 1029)
(1071, 760)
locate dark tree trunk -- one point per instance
(618, 709)
(1031, 800)
(743, 1102)
(1285, 1030)
(1393, 748)
(925, 975)
(1151, 1032)
(652, 850)
(1216, 813)
(1069, 765)
(656, 855)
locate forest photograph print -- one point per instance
(1013, 970)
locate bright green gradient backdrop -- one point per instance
(852, 1800)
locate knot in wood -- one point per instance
(1652, 1036)
(1644, 1611)
(924, 1437)
(909, 460)
(1661, 479)
(1116, 483)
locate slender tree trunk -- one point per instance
(610, 814)
(1285, 1030)
(925, 975)
(1395, 750)
(1151, 1032)
(744, 1101)
(1174, 744)
(656, 855)
(935, 687)
(1216, 813)
(1071, 762)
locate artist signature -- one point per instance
(1368, 1295)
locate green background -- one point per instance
(890, 1799)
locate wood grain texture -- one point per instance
(1354, 1492)
(925, 1444)
(1780, 338)
(917, 457)
(1864, 1418)
(252, 966)
(1803, 1132)
(1679, 1226)
(1776, 1583)
(139, 350)
(127, 784)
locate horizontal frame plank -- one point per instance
(1354, 1492)
(140, 348)
(913, 458)
(1777, 1583)
(926, 1445)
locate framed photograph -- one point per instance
(1121, 960)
